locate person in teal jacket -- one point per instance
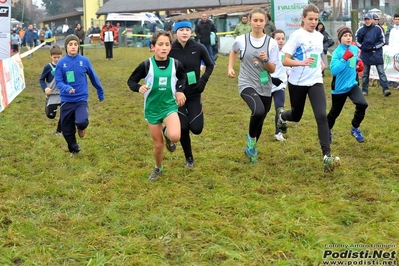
(344, 67)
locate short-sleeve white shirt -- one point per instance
(301, 45)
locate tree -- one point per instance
(20, 13)
(53, 7)
(56, 7)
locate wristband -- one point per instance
(265, 61)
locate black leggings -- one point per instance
(260, 106)
(51, 111)
(317, 99)
(338, 102)
(191, 119)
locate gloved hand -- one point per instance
(276, 81)
(200, 87)
(347, 55)
(359, 66)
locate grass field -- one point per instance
(98, 208)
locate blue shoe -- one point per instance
(357, 134)
(251, 148)
(252, 159)
(251, 151)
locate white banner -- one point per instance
(12, 80)
(287, 14)
(391, 64)
(5, 27)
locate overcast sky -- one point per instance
(38, 3)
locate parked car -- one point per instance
(57, 31)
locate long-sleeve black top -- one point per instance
(191, 56)
(142, 70)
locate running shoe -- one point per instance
(281, 124)
(330, 163)
(169, 144)
(81, 133)
(279, 136)
(357, 133)
(155, 174)
(189, 162)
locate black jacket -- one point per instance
(203, 31)
(191, 56)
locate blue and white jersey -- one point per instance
(301, 45)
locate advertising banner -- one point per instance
(12, 80)
(287, 14)
(391, 64)
(5, 27)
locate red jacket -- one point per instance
(107, 32)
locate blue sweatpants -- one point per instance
(73, 115)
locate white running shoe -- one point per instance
(279, 136)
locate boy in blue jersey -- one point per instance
(344, 67)
(70, 77)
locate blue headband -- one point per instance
(182, 24)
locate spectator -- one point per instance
(242, 27)
(36, 40)
(203, 31)
(108, 37)
(394, 39)
(370, 39)
(90, 30)
(21, 34)
(70, 30)
(41, 35)
(96, 30)
(48, 35)
(327, 42)
(394, 32)
(81, 35)
(15, 42)
(376, 21)
(269, 28)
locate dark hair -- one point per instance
(277, 31)
(158, 33)
(395, 15)
(55, 50)
(307, 9)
